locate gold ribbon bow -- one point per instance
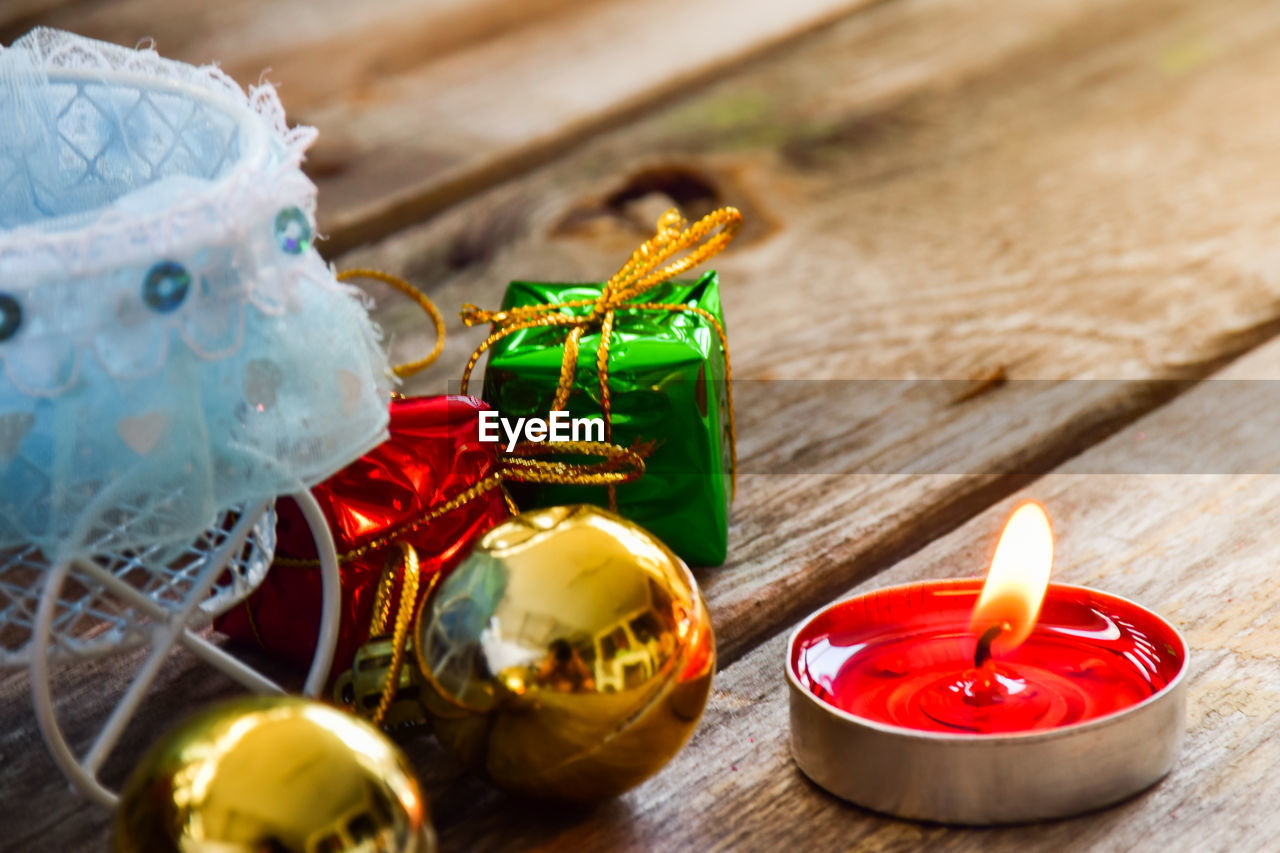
(403, 618)
(617, 465)
(642, 271)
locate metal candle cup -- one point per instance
(884, 711)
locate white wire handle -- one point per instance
(170, 629)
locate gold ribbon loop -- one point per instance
(617, 464)
(643, 271)
(408, 368)
(404, 618)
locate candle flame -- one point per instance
(1017, 579)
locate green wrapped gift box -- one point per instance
(669, 399)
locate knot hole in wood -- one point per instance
(627, 212)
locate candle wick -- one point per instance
(983, 652)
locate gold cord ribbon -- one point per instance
(616, 465)
(404, 617)
(642, 271)
(408, 368)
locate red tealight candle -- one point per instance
(969, 702)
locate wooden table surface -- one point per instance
(995, 249)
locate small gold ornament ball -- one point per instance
(272, 774)
(568, 657)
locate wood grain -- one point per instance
(422, 104)
(18, 16)
(922, 209)
(317, 50)
(1198, 549)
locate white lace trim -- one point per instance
(77, 277)
(269, 178)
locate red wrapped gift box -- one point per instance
(433, 455)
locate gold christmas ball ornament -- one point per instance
(568, 657)
(273, 774)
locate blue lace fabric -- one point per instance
(171, 343)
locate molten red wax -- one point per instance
(904, 656)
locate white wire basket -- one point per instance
(117, 602)
(90, 621)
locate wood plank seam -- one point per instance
(383, 220)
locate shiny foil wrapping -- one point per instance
(669, 400)
(433, 454)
